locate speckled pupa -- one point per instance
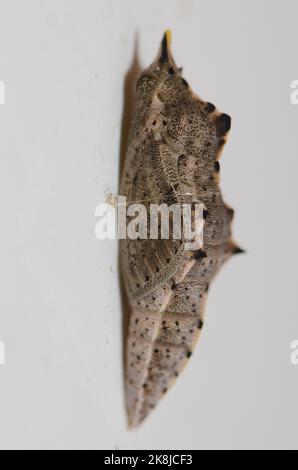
(174, 147)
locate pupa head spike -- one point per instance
(165, 47)
(165, 60)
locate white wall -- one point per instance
(63, 63)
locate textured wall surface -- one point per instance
(64, 64)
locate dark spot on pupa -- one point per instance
(205, 214)
(223, 125)
(174, 286)
(185, 83)
(188, 354)
(156, 351)
(210, 108)
(217, 166)
(207, 288)
(165, 390)
(220, 144)
(200, 254)
(137, 321)
(200, 324)
(145, 385)
(171, 71)
(238, 251)
(231, 212)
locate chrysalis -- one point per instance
(174, 147)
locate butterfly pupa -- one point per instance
(174, 147)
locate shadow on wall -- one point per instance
(128, 108)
